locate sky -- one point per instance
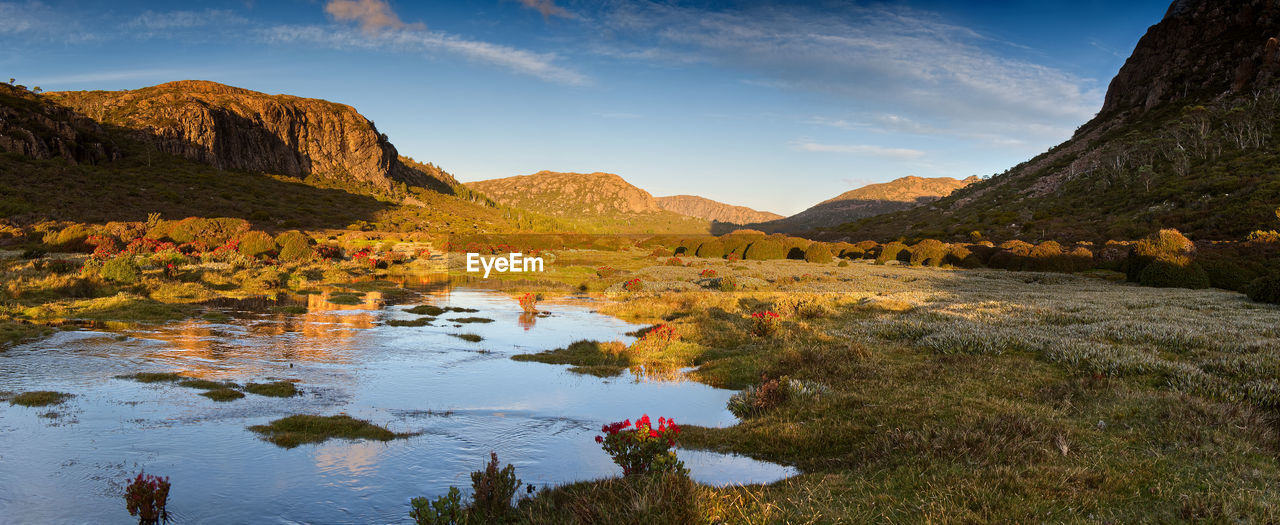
(771, 105)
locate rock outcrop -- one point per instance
(238, 129)
(1201, 48)
(704, 208)
(32, 126)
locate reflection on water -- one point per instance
(464, 399)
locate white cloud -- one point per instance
(372, 15)
(865, 150)
(541, 65)
(37, 19)
(170, 20)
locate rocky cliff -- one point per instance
(237, 129)
(868, 201)
(708, 209)
(31, 126)
(1201, 48)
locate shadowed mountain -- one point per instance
(1187, 138)
(867, 201)
(704, 208)
(596, 202)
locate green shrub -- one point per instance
(295, 246)
(713, 249)
(962, 257)
(72, 238)
(818, 252)
(1266, 289)
(1164, 243)
(765, 249)
(211, 232)
(1174, 271)
(929, 251)
(256, 243)
(796, 247)
(890, 252)
(122, 269)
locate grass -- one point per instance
(586, 357)
(471, 338)
(153, 377)
(39, 398)
(421, 321)
(223, 394)
(274, 389)
(426, 309)
(471, 320)
(13, 333)
(300, 429)
(205, 384)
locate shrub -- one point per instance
(493, 491)
(764, 249)
(606, 271)
(764, 324)
(529, 303)
(633, 285)
(659, 251)
(796, 246)
(146, 497)
(674, 261)
(642, 449)
(445, 510)
(256, 243)
(122, 269)
(713, 249)
(962, 257)
(295, 246)
(707, 273)
(818, 253)
(928, 251)
(890, 252)
(1266, 289)
(842, 264)
(1164, 243)
(72, 238)
(212, 232)
(1174, 272)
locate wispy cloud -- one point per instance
(862, 149)
(540, 65)
(907, 61)
(548, 8)
(372, 15)
(36, 18)
(162, 21)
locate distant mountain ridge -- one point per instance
(704, 208)
(867, 201)
(599, 202)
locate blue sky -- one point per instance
(776, 106)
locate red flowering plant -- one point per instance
(733, 257)
(328, 251)
(707, 273)
(606, 271)
(640, 448)
(146, 497)
(764, 324)
(105, 247)
(674, 261)
(529, 303)
(633, 285)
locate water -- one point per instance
(463, 399)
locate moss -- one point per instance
(223, 395)
(473, 338)
(299, 429)
(426, 309)
(273, 389)
(39, 398)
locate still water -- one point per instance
(66, 464)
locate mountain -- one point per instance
(237, 129)
(596, 202)
(704, 208)
(867, 201)
(201, 148)
(1188, 137)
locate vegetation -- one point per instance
(273, 389)
(39, 398)
(296, 430)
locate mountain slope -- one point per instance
(596, 202)
(704, 208)
(59, 164)
(870, 200)
(1188, 137)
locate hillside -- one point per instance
(704, 208)
(595, 202)
(1186, 138)
(867, 201)
(200, 148)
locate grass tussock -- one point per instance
(421, 321)
(223, 394)
(39, 398)
(273, 389)
(467, 320)
(300, 429)
(153, 377)
(470, 338)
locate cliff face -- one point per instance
(32, 127)
(868, 201)
(708, 209)
(1201, 47)
(234, 128)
